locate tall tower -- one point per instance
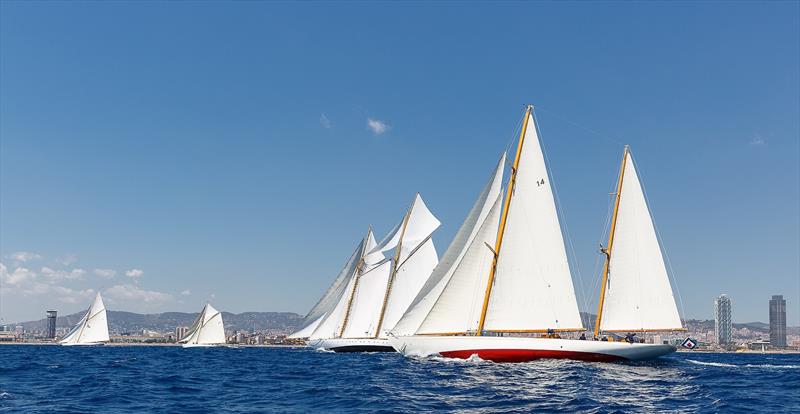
(722, 320)
(51, 323)
(777, 321)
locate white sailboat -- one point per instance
(381, 289)
(510, 281)
(92, 328)
(206, 331)
(333, 295)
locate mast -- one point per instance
(607, 250)
(394, 267)
(355, 283)
(502, 228)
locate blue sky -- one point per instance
(169, 153)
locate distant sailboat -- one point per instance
(499, 284)
(92, 328)
(207, 330)
(380, 289)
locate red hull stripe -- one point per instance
(524, 355)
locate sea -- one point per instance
(127, 379)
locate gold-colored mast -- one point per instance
(355, 284)
(502, 228)
(607, 250)
(394, 268)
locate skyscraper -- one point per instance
(722, 320)
(777, 321)
(51, 323)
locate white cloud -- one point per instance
(757, 141)
(105, 273)
(377, 126)
(134, 273)
(18, 278)
(135, 294)
(25, 282)
(24, 257)
(186, 292)
(67, 295)
(324, 121)
(58, 275)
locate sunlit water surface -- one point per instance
(170, 379)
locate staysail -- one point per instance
(434, 310)
(533, 288)
(92, 328)
(331, 297)
(637, 294)
(207, 329)
(342, 312)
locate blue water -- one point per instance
(170, 379)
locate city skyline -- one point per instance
(241, 166)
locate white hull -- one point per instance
(352, 345)
(82, 344)
(201, 345)
(520, 349)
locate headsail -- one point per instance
(638, 295)
(533, 288)
(92, 328)
(207, 329)
(331, 297)
(429, 305)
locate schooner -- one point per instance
(504, 291)
(380, 285)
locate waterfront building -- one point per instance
(777, 321)
(51, 323)
(180, 332)
(722, 320)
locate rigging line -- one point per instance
(671, 274)
(573, 123)
(559, 208)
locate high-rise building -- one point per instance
(51, 323)
(180, 332)
(777, 321)
(722, 320)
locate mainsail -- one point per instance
(207, 329)
(533, 288)
(438, 307)
(92, 328)
(637, 294)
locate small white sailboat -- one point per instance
(501, 284)
(381, 289)
(92, 329)
(206, 331)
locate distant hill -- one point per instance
(166, 322)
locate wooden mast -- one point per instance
(607, 250)
(502, 228)
(394, 267)
(355, 284)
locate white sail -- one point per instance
(411, 275)
(331, 325)
(92, 328)
(533, 287)
(638, 293)
(367, 301)
(331, 297)
(207, 329)
(430, 293)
